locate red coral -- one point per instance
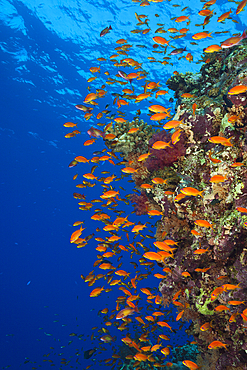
(140, 203)
(165, 157)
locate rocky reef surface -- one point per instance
(207, 276)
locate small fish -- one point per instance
(237, 90)
(232, 41)
(172, 124)
(89, 353)
(94, 132)
(178, 51)
(217, 344)
(191, 365)
(159, 145)
(241, 6)
(105, 31)
(220, 140)
(203, 223)
(158, 180)
(201, 35)
(221, 308)
(205, 326)
(127, 311)
(217, 179)
(212, 49)
(192, 191)
(160, 40)
(107, 338)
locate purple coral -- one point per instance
(165, 157)
(140, 203)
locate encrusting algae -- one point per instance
(192, 175)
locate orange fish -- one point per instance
(179, 315)
(217, 178)
(158, 109)
(205, 326)
(192, 191)
(143, 157)
(96, 292)
(122, 273)
(230, 287)
(194, 106)
(160, 92)
(220, 140)
(140, 357)
(153, 256)
(70, 124)
(205, 12)
(138, 228)
(236, 303)
(200, 251)
(76, 234)
(109, 137)
(191, 365)
(154, 213)
(233, 317)
(214, 160)
(90, 97)
(217, 344)
(127, 311)
(158, 180)
(158, 116)
(242, 209)
(221, 308)
(187, 95)
(81, 159)
(182, 18)
(129, 170)
(160, 40)
(109, 194)
(196, 233)
(89, 142)
(201, 35)
(166, 352)
(90, 176)
(133, 130)
(224, 16)
(212, 49)
(159, 145)
(203, 223)
(176, 136)
(172, 124)
(216, 292)
(237, 90)
(164, 324)
(241, 6)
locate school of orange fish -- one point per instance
(107, 275)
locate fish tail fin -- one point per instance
(201, 193)
(136, 309)
(244, 35)
(110, 27)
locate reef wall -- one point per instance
(203, 201)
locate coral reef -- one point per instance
(125, 142)
(209, 229)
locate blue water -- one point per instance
(46, 51)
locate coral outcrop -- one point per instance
(210, 228)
